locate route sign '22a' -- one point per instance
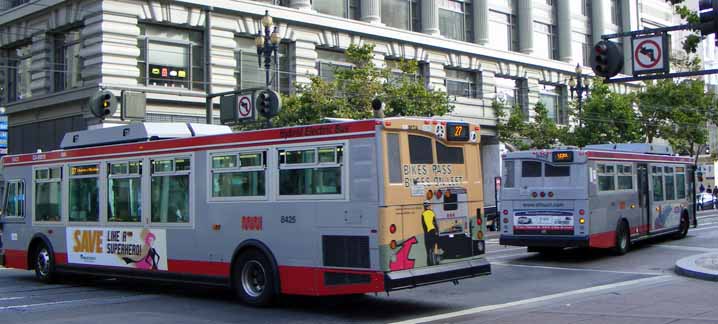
(650, 54)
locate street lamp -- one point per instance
(267, 45)
(579, 86)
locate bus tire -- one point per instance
(253, 277)
(623, 239)
(44, 263)
(683, 227)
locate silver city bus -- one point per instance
(601, 196)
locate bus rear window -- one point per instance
(557, 171)
(420, 150)
(530, 169)
(508, 174)
(449, 155)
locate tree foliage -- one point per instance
(350, 93)
(690, 43)
(539, 133)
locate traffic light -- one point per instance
(708, 12)
(103, 103)
(606, 59)
(268, 103)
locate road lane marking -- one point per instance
(688, 248)
(702, 229)
(10, 298)
(505, 250)
(488, 308)
(576, 269)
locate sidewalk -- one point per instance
(702, 266)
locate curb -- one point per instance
(688, 267)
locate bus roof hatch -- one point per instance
(138, 132)
(645, 148)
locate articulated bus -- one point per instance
(601, 196)
(328, 209)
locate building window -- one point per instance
(19, 64)
(171, 57)
(84, 191)
(170, 190)
(502, 31)
(507, 91)
(587, 47)
(248, 72)
(615, 13)
(404, 14)
(545, 40)
(461, 83)
(48, 194)
(328, 62)
(455, 19)
(67, 63)
(550, 96)
(341, 8)
(124, 192)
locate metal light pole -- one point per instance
(579, 86)
(267, 45)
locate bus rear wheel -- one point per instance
(253, 277)
(44, 264)
(623, 239)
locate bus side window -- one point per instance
(657, 183)
(625, 177)
(239, 174)
(170, 190)
(48, 194)
(680, 183)
(124, 192)
(15, 199)
(84, 203)
(420, 150)
(393, 156)
(670, 183)
(302, 173)
(606, 177)
(509, 174)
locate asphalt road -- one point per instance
(519, 279)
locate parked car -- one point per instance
(705, 200)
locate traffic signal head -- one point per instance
(606, 59)
(103, 104)
(268, 103)
(708, 13)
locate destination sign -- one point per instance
(457, 132)
(562, 156)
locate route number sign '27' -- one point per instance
(650, 54)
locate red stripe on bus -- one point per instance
(602, 240)
(16, 259)
(310, 281)
(199, 143)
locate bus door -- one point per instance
(643, 197)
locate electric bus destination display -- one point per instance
(457, 132)
(562, 156)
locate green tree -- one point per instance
(539, 133)
(606, 117)
(350, 93)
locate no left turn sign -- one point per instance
(649, 54)
(244, 104)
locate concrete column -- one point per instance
(41, 65)
(106, 36)
(629, 21)
(598, 19)
(481, 22)
(526, 26)
(371, 11)
(564, 29)
(301, 4)
(305, 60)
(430, 17)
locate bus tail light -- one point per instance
(478, 220)
(480, 235)
(506, 220)
(505, 212)
(550, 194)
(429, 195)
(543, 194)
(581, 220)
(581, 212)
(392, 228)
(447, 194)
(392, 245)
(439, 193)
(534, 194)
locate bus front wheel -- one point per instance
(683, 228)
(44, 264)
(254, 278)
(623, 239)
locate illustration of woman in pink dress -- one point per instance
(151, 259)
